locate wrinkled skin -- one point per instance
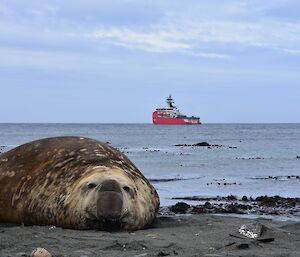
(74, 182)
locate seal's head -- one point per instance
(110, 199)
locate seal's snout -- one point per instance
(110, 185)
(110, 201)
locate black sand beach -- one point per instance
(179, 235)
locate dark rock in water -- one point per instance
(159, 180)
(244, 206)
(199, 209)
(180, 207)
(202, 144)
(277, 202)
(207, 204)
(245, 198)
(205, 144)
(298, 157)
(197, 144)
(278, 177)
(271, 205)
(259, 198)
(267, 201)
(229, 198)
(206, 199)
(233, 208)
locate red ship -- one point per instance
(171, 115)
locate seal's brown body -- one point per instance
(74, 182)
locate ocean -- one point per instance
(250, 159)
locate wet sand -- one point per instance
(179, 235)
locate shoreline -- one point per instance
(273, 206)
(176, 235)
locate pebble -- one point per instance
(251, 230)
(40, 252)
(161, 253)
(52, 227)
(21, 254)
(141, 255)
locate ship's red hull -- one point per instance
(175, 121)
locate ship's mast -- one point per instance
(170, 101)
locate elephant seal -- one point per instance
(74, 182)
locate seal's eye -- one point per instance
(126, 188)
(91, 185)
(130, 191)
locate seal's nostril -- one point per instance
(126, 188)
(92, 185)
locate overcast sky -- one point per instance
(117, 60)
